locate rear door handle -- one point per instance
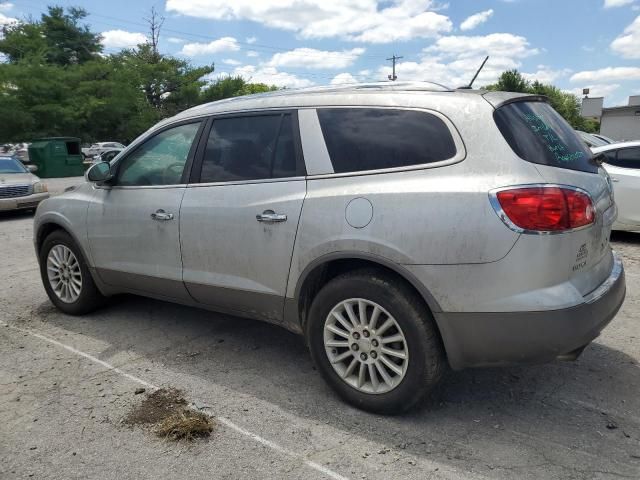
(162, 216)
(269, 216)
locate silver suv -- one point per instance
(400, 227)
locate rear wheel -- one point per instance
(66, 277)
(374, 341)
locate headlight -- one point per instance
(39, 187)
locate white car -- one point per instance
(622, 163)
(98, 148)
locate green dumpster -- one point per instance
(57, 157)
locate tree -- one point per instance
(57, 38)
(512, 81)
(227, 87)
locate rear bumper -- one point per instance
(20, 203)
(508, 338)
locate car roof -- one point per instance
(351, 94)
(616, 146)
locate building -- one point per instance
(618, 123)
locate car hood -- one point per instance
(17, 178)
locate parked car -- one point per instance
(622, 162)
(105, 156)
(591, 140)
(20, 189)
(604, 138)
(399, 227)
(98, 148)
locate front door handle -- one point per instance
(614, 180)
(162, 216)
(269, 216)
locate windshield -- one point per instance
(538, 134)
(11, 165)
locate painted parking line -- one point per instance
(225, 421)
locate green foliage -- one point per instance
(55, 82)
(58, 38)
(566, 104)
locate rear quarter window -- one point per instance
(360, 139)
(538, 134)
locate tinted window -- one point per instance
(625, 158)
(538, 134)
(160, 160)
(250, 148)
(361, 139)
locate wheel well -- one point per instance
(44, 231)
(324, 273)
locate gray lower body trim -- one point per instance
(144, 284)
(509, 338)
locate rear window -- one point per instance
(538, 134)
(625, 158)
(360, 139)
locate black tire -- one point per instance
(90, 297)
(427, 361)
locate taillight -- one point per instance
(544, 208)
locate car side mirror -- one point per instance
(32, 168)
(100, 172)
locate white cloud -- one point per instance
(495, 44)
(453, 60)
(627, 45)
(596, 90)
(609, 74)
(270, 76)
(224, 44)
(616, 3)
(316, 59)
(251, 39)
(371, 21)
(175, 40)
(122, 39)
(476, 19)
(252, 53)
(5, 7)
(232, 62)
(343, 78)
(546, 75)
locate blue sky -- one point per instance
(571, 43)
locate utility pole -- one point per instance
(393, 77)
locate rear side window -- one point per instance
(250, 148)
(360, 139)
(538, 134)
(625, 158)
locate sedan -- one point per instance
(19, 188)
(622, 163)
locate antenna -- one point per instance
(477, 73)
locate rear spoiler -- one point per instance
(498, 99)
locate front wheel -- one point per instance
(374, 341)
(66, 277)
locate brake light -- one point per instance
(546, 208)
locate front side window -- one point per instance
(160, 160)
(360, 139)
(250, 148)
(625, 158)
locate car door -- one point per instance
(623, 167)
(239, 216)
(133, 222)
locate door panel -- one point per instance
(626, 188)
(232, 260)
(130, 249)
(133, 225)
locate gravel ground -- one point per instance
(67, 383)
